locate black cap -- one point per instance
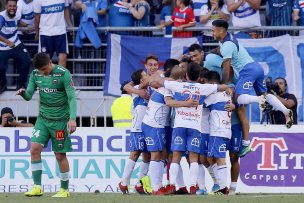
(7, 110)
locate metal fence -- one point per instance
(88, 64)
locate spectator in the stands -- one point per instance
(298, 14)
(280, 14)
(140, 10)
(165, 15)
(213, 10)
(182, 17)
(245, 14)
(120, 15)
(26, 9)
(51, 26)
(11, 46)
(197, 5)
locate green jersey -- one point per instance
(56, 91)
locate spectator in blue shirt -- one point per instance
(280, 15)
(120, 15)
(165, 15)
(298, 14)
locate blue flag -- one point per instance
(125, 54)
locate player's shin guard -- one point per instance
(37, 171)
(174, 168)
(128, 172)
(212, 174)
(193, 173)
(180, 178)
(143, 169)
(154, 174)
(201, 177)
(64, 180)
(222, 176)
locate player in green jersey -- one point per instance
(56, 119)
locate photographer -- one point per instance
(289, 100)
(8, 120)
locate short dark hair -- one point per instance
(221, 23)
(122, 87)
(11, 0)
(203, 72)
(281, 79)
(169, 64)
(186, 2)
(40, 60)
(193, 71)
(213, 76)
(7, 110)
(136, 76)
(151, 57)
(194, 47)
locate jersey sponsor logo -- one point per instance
(48, 90)
(189, 114)
(56, 8)
(57, 75)
(60, 134)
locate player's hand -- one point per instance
(37, 37)
(229, 91)
(229, 106)
(191, 103)
(20, 91)
(71, 126)
(144, 94)
(10, 44)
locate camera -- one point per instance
(10, 119)
(271, 87)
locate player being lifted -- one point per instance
(250, 75)
(56, 119)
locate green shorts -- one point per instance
(56, 131)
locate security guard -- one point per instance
(121, 109)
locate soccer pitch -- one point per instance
(134, 198)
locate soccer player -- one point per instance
(250, 75)
(137, 141)
(157, 115)
(186, 134)
(220, 131)
(56, 119)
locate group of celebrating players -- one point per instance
(194, 108)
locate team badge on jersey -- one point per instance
(55, 81)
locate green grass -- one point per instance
(134, 198)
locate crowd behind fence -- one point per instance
(88, 64)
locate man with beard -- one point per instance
(11, 46)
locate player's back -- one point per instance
(231, 48)
(219, 119)
(158, 112)
(53, 92)
(189, 117)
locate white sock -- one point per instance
(201, 177)
(174, 169)
(233, 185)
(160, 173)
(143, 169)
(180, 177)
(247, 99)
(275, 102)
(210, 170)
(215, 172)
(222, 176)
(154, 175)
(193, 173)
(245, 142)
(128, 172)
